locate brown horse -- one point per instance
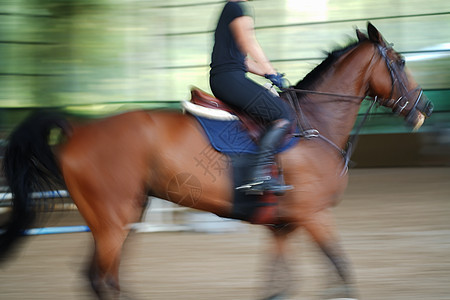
(111, 165)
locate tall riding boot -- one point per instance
(261, 174)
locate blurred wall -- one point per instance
(93, 51)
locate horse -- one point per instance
(110, 166)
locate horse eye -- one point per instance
(401, 62)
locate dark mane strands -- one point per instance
(308, 81)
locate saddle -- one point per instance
(254, 127)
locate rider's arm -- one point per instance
(244, 34)
(254, 67)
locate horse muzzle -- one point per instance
(425, 106)
(422, 109)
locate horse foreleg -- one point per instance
(279, 279)
(324, 233)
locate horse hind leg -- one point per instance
(107, 215)
(103, 272)
(95, 276)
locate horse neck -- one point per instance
(334, 117)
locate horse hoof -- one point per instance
(276, 297)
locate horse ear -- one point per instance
(361, 36)
(374, 35)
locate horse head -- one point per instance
(391, 84)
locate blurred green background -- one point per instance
(97, 57)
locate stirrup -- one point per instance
(265, 184)
(256, 182)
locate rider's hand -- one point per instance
(277, 79)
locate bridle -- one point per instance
(402, 102)
(397, 105)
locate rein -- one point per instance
(314, 133)
(291, 89)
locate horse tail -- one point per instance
(29, 165)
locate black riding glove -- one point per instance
(277, 79)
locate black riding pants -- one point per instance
(237, 90)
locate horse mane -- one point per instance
(312, 77)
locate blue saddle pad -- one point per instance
(230, 137)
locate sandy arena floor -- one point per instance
(395, 226)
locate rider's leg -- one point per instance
(261, 174)
(239, 91)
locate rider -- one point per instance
(236, 51)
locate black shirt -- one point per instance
(226, 55)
